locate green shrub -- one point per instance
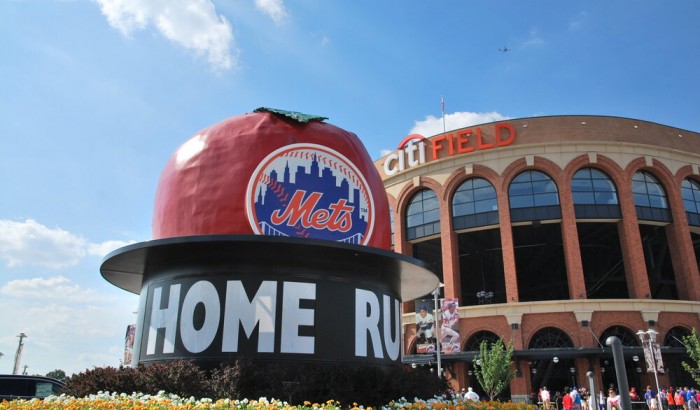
(295, 384)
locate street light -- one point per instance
(573, 377)
(438, 340)
(650, 337)
(484, 297)
(18, 355)
(555, 360)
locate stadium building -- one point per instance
(554, 233)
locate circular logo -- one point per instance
(310, 191)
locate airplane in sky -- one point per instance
(504, 49)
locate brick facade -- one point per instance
(559, 147)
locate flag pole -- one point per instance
(443, 114)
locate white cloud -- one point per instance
(31, 243)
(102, 249)
(58, 288)
(192, 24)
(68, 327)
(432, 125)
(578, 22)
(533, 38)
(273, 8)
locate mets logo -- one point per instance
(310, 191)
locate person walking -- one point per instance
(613, 402)
(546, 398)
(671, 399)
(567, 401)
(576, 397)
(679, 398)
(601, 400)
(663, 400)
(650, 399)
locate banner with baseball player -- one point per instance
(449, 326)
(425, 326)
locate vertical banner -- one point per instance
(657, 355)
(129, 345)
(425, 326)
(449, 326)
(652, 357)
(649, 357)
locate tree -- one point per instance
(57, 374)
(692, 346)
(493, 367)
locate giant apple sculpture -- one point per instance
(271, 233)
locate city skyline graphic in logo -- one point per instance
(310, 191)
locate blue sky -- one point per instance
(96, 95)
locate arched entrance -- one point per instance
(554, 372)
(633, 365)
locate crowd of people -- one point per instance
(672, 398)
(580, 399)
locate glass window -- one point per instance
(475, 196)
(690, 191)
(648, 191)
(532, 188)
(470, 193)
(584, 198)
(423, 215)
(593, 187)
(464, 209)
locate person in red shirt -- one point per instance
(633, 394)
(567, 400)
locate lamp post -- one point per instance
(649, 337)
(573, 376)
(438, 339)
(18, 355)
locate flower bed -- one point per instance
(137, 401)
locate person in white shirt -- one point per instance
(471, 395)
(545, 397)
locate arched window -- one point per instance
(674, 337)
(594, 195)
(627, 338)
(550, 338)
(650, 198)
(422, 215)
(533, 196)
(474, 204)
(690, 191)
(474, 342)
